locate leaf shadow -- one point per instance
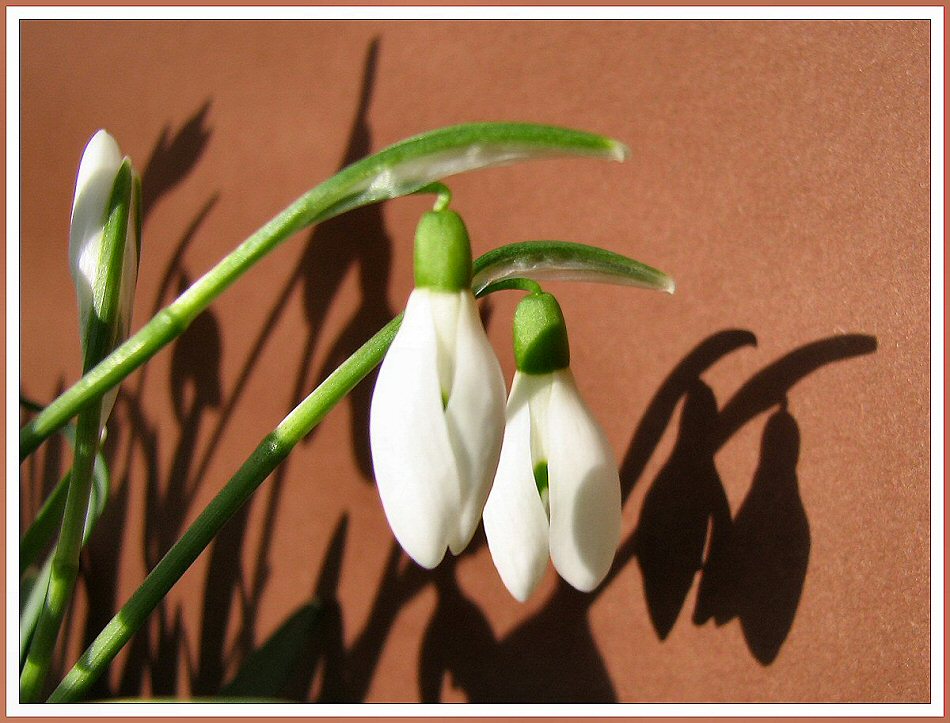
(132, 434)
(331, 250)
(172, 159)
(196, 390)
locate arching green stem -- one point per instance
(401, 169)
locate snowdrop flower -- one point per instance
(437, 413)
(104, 273)
(557, 489)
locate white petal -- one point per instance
(412, 456)
(516, 524)
(584, 488)
(476, 419)
(538, 401)
(444, 307)
(97, 171)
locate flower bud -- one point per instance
(104, 249)
(556, 490)
(438, 410)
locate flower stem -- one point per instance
(65, 566)
(398, 170)
(515, 284)
(98, 340)
(273, 449)
(269, 453)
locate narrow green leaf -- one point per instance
(32, 595)
(40, 533)
(564, 261)
(412, 164)
(33, 586)
(99, 336)
(268, 669)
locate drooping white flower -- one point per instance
(557, 489)
(437, 413)
(92, 266)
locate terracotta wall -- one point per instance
(779, 171)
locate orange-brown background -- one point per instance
(779, 172)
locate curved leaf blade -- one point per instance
(414, 163)
(564, 261)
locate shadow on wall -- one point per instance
(754, 570)
(194, 387)
(756, 562)
(199, 397)
(333, 247)
(751, 568)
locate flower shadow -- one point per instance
(756, 566)
(552, 657)
(686, 497)
(751, 566)
(754, 563)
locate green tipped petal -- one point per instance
(564, 261)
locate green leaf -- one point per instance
(414, 163)
(563, 261)
(38, 536)
(100, 334)
(32, 595)
(41, 532)
(268, 669)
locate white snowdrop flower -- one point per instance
(104, 274)
(437, 413)
(557, 489)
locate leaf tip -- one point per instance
(618, 151)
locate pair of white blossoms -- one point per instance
(447, 450)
